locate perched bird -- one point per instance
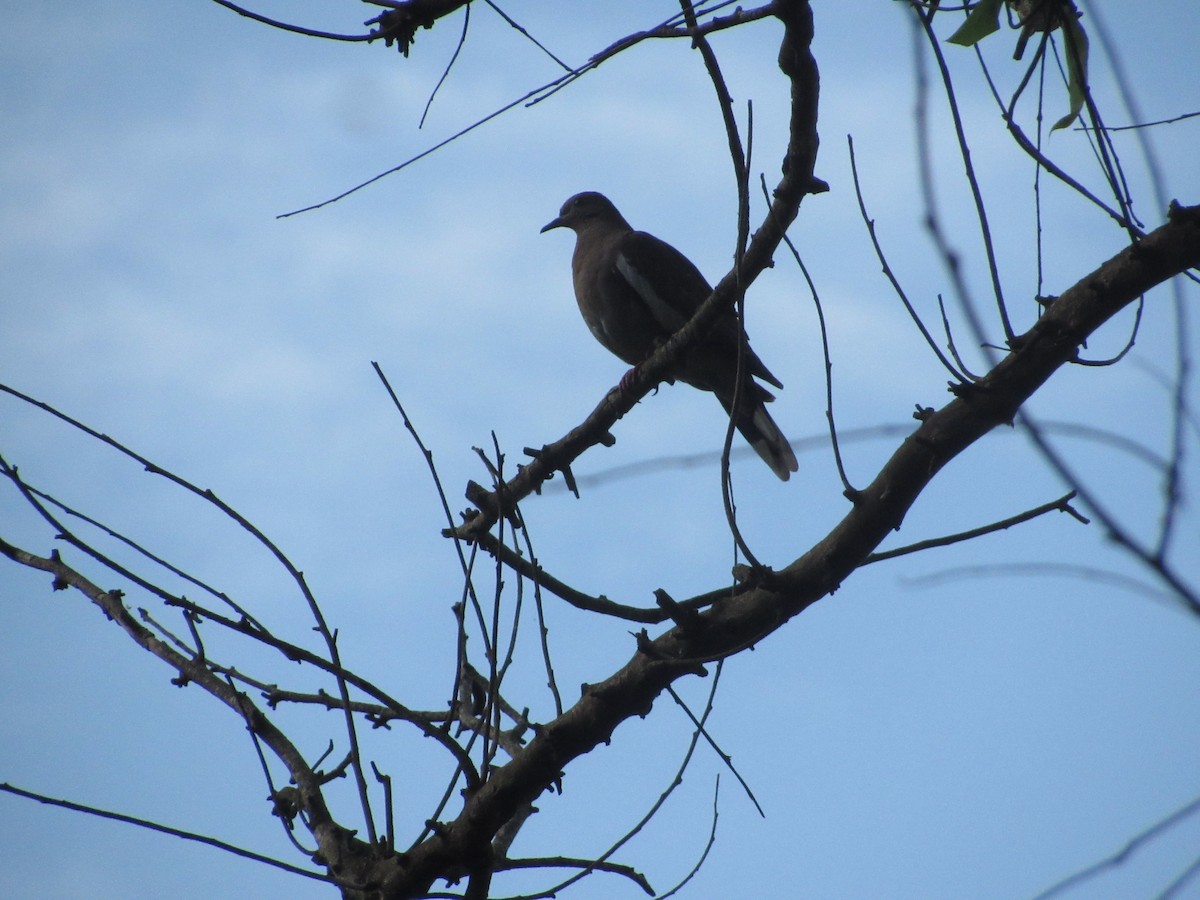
(635, 291)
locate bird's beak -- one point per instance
(553, 223)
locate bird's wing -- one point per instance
(672, 289)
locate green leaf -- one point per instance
(982, 21)
(1077, 58)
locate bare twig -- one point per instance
(550, 88)
(164, 829)
(525, 33)
(462, 39)
(543, 630)
(563, 862)
(1062, 504)
(1037, 155)
(725, 758)
(850, 491)
(531, 570)
(1074, 572)
(1180, 402)
(1171, 121)
(949, 256)
(890, 275)
(1123, 855)
(741, 169)
(712, 839)
(295, 29)
(154, 558)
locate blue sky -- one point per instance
(929, 731)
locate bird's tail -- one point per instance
(760, 430)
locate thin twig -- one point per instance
(528, 568)
(712, 839)
(525, 33)
(543, 629)
(740, 157)
(542, 92)
(563, 862)
(932, 223)
(164, 829)
(1062, 504)
(462, 39)
(1180, 403)
(154, 558)
(1122, 856)
(1186, 595)
(295, 29)
(951, 344)
(725, 758)
(1139, 125)
(1035, 153)
(847, 487)
(889, 274)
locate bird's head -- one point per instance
(584, 210)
